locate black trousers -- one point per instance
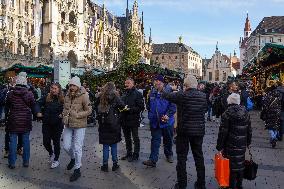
(7, 141)
(128, 131)
(54, 135)
(182, 148)
(236, 179)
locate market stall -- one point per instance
(267, 68)
(36, 75)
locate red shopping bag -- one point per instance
(222, 170)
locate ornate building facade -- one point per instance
(220, 67)
(269, 30)
(179, 57)
(80, 31)
(20, 24)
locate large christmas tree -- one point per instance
(132, 51)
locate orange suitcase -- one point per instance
(222, 170)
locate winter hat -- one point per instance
(24, 74)
(21, 80)
(159, 78)
(234, 98)
(75, 81)
(191, 82)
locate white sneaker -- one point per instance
(51, 158)
(54, 164)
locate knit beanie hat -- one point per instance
(234, 98)
(20, 80)
(75, 81)
(191, 82)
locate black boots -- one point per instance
(104, 168)
(115, 167)
(75, 175)
(71, 164)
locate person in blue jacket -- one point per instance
(161, 116)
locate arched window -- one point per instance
(63, 17)
(72, 37)
(63, 36)
(72, 18)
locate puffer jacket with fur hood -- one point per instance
(76, 110)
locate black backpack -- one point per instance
(109, 117)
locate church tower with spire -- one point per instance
(247, 29)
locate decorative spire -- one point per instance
(247, 29)
(150, 37)
(142, 26)
(180, 40)
(135, 8)
(217, 46)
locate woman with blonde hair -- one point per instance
(52, 107)
(108, 104)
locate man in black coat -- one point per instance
(232, 88)
(191, 109)
(134, 101)
(234, 136)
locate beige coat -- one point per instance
(76, 111)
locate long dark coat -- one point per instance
(109, 123)
(235, 135)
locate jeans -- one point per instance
(209, 110)
(182, 148)
(73, 140)
(7, 141)
(53, 134)
(13, 148)
(273, 134)
(236, 179)
(128, 131)
(106, 153)
(167, 134)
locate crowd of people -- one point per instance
(65, 114)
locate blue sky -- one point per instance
(201, 23)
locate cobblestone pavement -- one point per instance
(135, 175)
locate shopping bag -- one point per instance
(222, 170)
(250, 171)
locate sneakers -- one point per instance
(75, 175)
(20, 151)
(51, 158)
(6, 154)
(104, 168)
(149, 163)
(71, 164)
(54, 164)
(115, 167)
(170, 159)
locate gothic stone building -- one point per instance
(220, 67)
(77, 30)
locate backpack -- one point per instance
(109, 117)
(249, 104)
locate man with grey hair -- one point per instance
(191, 109)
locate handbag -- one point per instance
(250, 171)
(222, 170)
